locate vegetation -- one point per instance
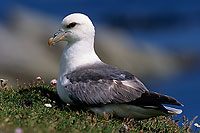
(26, 108)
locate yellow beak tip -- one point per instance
(50, 42)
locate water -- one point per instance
(171, 24)
(186, 88)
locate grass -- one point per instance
(23, 107)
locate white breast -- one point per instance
(74, 55)
(62, 91)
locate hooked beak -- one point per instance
(58, 36)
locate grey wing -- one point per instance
(103, 92)
(104, 84)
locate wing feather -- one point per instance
(105, 84)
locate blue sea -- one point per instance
(171, 25)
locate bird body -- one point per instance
(86, 81)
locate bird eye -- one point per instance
(71, 25)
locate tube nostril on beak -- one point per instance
(54, 35)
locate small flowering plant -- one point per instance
(3, 83)
(19, 130)
(48, 105)
(38, 78)
(196, 125)
(53, 82)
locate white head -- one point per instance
(74, 27)
(78, 30)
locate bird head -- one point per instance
(74, 27)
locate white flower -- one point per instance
(196, 125)
(125, 126)
(53, 82)
(38, 78)
(48, 105)
(3, 83)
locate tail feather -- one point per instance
(171, 110)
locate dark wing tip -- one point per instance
(181, 104)
(164, 99)
(178, 103)
(153, 98)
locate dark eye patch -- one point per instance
(71, 25)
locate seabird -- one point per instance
(86, 81)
